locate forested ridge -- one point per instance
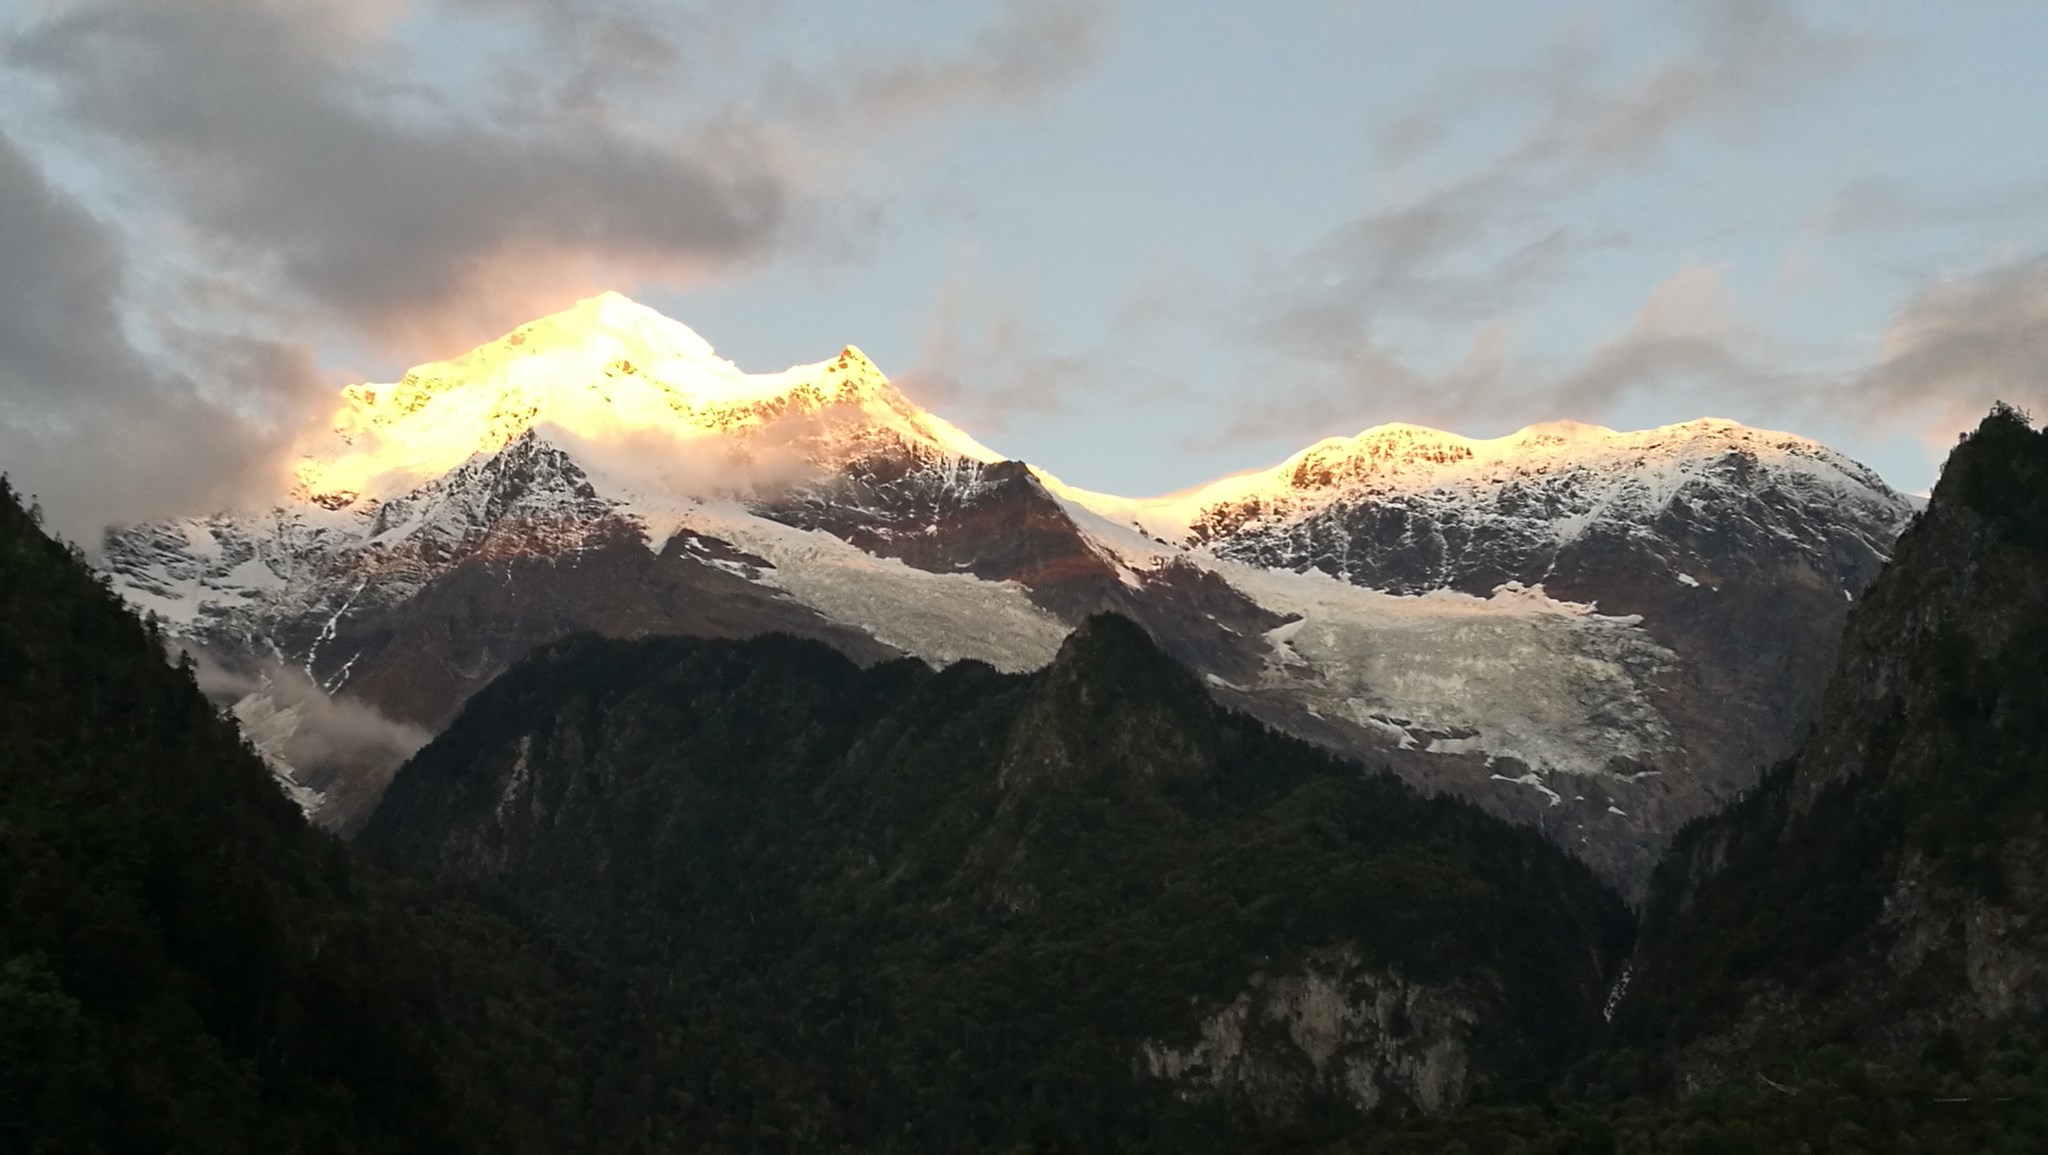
(958, 906)
(186, 965)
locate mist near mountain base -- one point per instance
(341, 747)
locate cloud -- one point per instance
(276, 133)
(101, 430)
(344, 748)
(1739, 59)
(1359, 321)
(1685, 337)
(980, 365)
(420, 206)
(1733, 62)
(983, 365)
(253, 188)
(1686, 334)
(1027, 50)
(1948, 353)
(1952, 350)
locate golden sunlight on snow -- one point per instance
(607, 370)
(1401, 458)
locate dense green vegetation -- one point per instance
(1825, 1101)
(186, 966)
(943, 911)
(182, 964)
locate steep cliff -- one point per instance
(1888, 887)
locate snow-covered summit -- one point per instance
(1598, 466)
(606, 372)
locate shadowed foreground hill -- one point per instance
(186, 966)
(956, 911)
(183, 964)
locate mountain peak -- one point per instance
(1107, 635)
(610, 317)
(1405, 461)
(1381, 449)
(604, 371)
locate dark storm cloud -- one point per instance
(272, 129)
(101, 431)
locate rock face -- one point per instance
(1886, 887)
(1091, 875)
(1601, 635)
(1334, 1030)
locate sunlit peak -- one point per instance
(605, 370)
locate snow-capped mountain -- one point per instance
(1409, 509)
(1600, 633)
(1736, 550)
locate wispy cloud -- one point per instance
(1956, 347)
(251, 182)
(277, 133)
(1027, 50)
(982, 365)
(1363, 315)
(1685, 338)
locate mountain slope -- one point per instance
(1885, 888)
(1087, 900)
(1601, 635)
(185, 965)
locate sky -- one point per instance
(1141, 243)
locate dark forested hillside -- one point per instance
(961, 910)
(186, 966)
(183, 965)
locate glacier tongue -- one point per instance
(940, 617)
(1517, 674)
